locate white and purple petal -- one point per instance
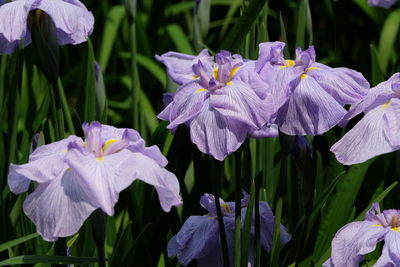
(179, 66)
(59, 207)
(369, 137)
(310, 110)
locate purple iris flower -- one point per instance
(199, 236)
(311, 95)
(378, 132)
(74, 23)
(76, 177)
(221, 102)
(382, 3)
(356, 239)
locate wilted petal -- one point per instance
(366, 140)
(239, 102)
(73, 21)
(13, 26)
(353, 241)
(309, 110)
(382, 3)
(215, 135)
(194, 239)
(179, 66)
(59, 207)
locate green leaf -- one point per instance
(180, 39)
(114, 19)
(90, 87)
(346, 193)
(377, 75)
(247, 227)
(276, 236)
(238, 33)
(284, 37)
(387, 39)
(34, 259)
(301, 25)
(17, 241)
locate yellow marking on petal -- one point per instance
(303, 76)
(107, 143)
(396, 229)
(215, 73)
(69, 169)
(229, 83)
(312, 68)
(195, 77)
(377, 225)
(385, 105)
(233, 72)
(99, 159)
(200, 90)
(226, 207)
(290, 63)
(281, 67)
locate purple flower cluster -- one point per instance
(356, 239)
(226, 101)
(199, 239)
(75, 177)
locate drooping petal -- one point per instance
(268, 130)
(215, 135)
(59, 207)
(179, 66)
(194, 239)
(392, 122)
(353, 241)
(345, 85)
(366, 140)
(239, 102)
(385, 260)
(376, 96)
(150, 172)
(45, 163)
(187, 103)
(73, 21)
(309, 110)
(13, 26)
(392, 242)
(103, 177)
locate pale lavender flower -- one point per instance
(378, 132)
(222, 102)
(382, 3)
(311, 95)
(199, 238)
(356, 239)
(74, 23)
(76, 177)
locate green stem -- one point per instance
(216, 175)
(64, 103)
(134, 77)
(238, 176)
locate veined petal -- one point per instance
(309, 110)
(385, 260)
(194, 238)
(269, 51)
(187, 104)
(150, 172)
(345, 85)
(376, 96)
(268, 130)
(392, 121)
(392, 244)
(239, 102)
(366, 140)
(353, 241)
(59, 207)
(45, 163)
(179, 66)
(103, 177)
(73, 21)
(13, 28)
(215, 135)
